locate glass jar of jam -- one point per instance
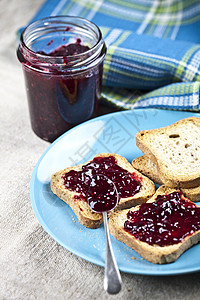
(62, 59)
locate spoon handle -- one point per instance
(112, 277)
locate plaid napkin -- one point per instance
(153, 57)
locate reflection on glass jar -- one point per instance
(62, 59)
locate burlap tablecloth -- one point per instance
(32, 264)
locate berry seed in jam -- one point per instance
(127, 184)
(167, 221)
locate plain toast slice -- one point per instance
(175, 149)
(81, 208)
(153, 253)
(145, 166)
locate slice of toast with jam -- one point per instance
(161, 229)
(72, 185)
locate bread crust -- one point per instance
(175, 150)
(145, 166)
(81, 208)
(153, 253)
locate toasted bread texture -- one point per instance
(175, 150)
(153, 253)
(85, 215)
(145, 166)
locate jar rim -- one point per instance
(67, 20)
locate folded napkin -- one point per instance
(153, 56)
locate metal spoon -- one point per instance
(103, 197)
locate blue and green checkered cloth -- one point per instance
(153, 57)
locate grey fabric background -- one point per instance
(32, 265)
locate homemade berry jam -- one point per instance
(66, 50)
(102, 194)
(167, 221)
(126, 183)
(63, 73)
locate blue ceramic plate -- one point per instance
(109, 133)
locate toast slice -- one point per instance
(154, 253)
(175, 150)
(74, 199)
(145, 166)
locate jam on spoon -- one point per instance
(102, 194)
(103, 197)
(102, 182)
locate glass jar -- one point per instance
(62, 59)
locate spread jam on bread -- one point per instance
(127, 184)
(166, 221)
(72, 185)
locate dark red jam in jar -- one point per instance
(126, 183)
(167, 221)
(62, 59)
